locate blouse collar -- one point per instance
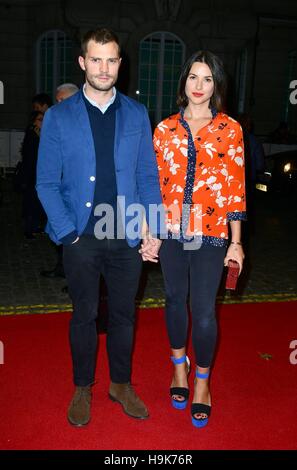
(214, 112)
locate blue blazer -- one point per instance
(67, 165)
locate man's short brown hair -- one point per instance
(102, 36)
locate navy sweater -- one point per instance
(103, 130)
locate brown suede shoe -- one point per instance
(131, 403)
(79, 408)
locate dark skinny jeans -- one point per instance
(200, 271)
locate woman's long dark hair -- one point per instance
(219, 77)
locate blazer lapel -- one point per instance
(80, 111)
(118, 131)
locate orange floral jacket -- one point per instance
(217, 185)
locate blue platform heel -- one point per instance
(182, 391)
(200, 407)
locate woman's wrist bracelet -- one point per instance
(235, 243)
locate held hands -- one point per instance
(150, 248)
(235, 252)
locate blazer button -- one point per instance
(92, 178)
(88, 204)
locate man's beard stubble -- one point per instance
(102, 87)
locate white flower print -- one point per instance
(231, 134)
(199, 185)
(220, 200)
(211, 180)
(162, 127)
(239, 161)
(176, 188)
(211, 128)
(231, 151)
(209, 148)
(173, 167)
(184, 151)
(168, 155)
(176, 141)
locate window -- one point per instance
(161, 57)
(54, 61)
(241, 71)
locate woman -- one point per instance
(32, 209)
(201, 169)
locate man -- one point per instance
(41, 102)
(96, 148)
(63, 92)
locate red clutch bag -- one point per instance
(232, 275)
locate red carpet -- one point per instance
(254, 399)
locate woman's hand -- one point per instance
(150, 248)
(235, 252)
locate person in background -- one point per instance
(63, 92)
(200, 158)
(254, 169)
(96, 149)
(254, 153)
(32, 210)
(41, 102)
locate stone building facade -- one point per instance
(257, 40)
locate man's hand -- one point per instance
(150, 248)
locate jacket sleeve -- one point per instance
(148, 179)
(236, 177)
(49, 177)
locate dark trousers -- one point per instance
(34, 216)
(83, 263)
(200, 271)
